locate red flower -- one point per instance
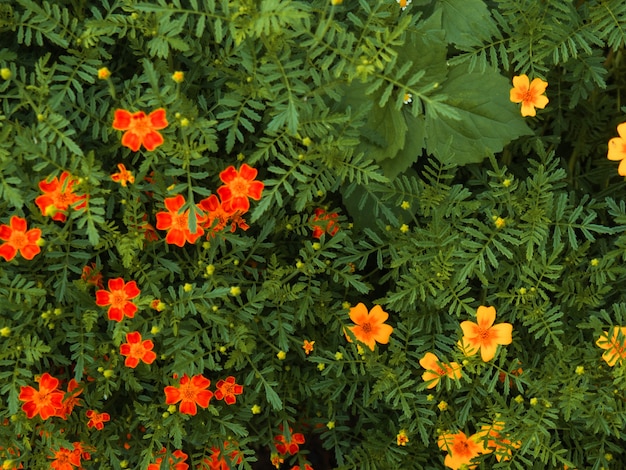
(177, 223)
(190, 392)
(124, 176)
(65, 459)
(239, 186)
(306, 467)
(176, 463)
(58, 197)
(219, 462)
(227, 389)
(46, 401)
(140, 128)
(118, 297)
(70, 399)
(324, 223)
(137, 350)
(90, 277)
(283, 446)
(97, 420)
(18, 238)
(217, 216)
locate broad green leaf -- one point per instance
(466, 22)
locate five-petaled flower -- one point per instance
(190, 392)
(141, 128)
(46, 401)
(617, 149)
(324, 222)
(530, 94)
(123, 176)
(484, 335)
(308, 346)
(58, 196)
(370, 327)
(461, 449)
(65, 459)
(292, 446)
(614, 341)
(119, 298)
(137, 350)
(177, 222)
(227, 389)
(435, 369)
(97, 420)
(17, 237)
(239, 185)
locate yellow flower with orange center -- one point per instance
(530, 94)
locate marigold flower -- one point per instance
(283, 446)
(140, 128)
(176, 462)
(370, 327)
(617, 149)
(496, 442)
(97, 420)
(239, 185)
(104, 73)
(308, 346)
(615, 345)
(435, 369)
(324, 223)
(217, 216)
(58, 197)
(402, 438)
(217, 461)
(46, 401)
(177, 222)
(461, 450)
(484, 335)
(124, 176)
(17, 237)
(190, 392)
(70, 399)
(119, 298)
(137, 350)
(530, 94)
(65, 459)
(276, 460)
(227, 389)
(178, 76)
(91, 277)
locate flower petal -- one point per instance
(121, 119)
(378, 315)
(228, 175)
(152, 140)
(247, 172)
(173, 204)
(521, 82)
(485, 316)
(359, 313)
(501, 333)
(8, 252)
(131, 140)
(158, 119)
(17, 223)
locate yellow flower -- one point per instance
(330, 425)
(404, 228)
(338, 356)
(530, 94)
(404, 3)
(484, 335)
(104, 73)
(281, 355)
(256, 409)
(178, 76)
(499, 222)
(443, 406)
(321, 366)
(5, 73)
(336, 2)
(617, 149)
(405, 205)
(235, 291)
(5, 332)
(615, 346)
(402, 438)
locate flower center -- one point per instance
(179, 221)
(239, 186)
(188, 393)
(461, 448)
(118, 299)
(366, 327)
(18, 239)
(483, 333)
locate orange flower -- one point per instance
(370, 327)
(176, 463)
(137, 350)
(177, 223)
(18, 238)
(219, 462)
(324, 223)
(435, 369)
(90, 277)
(65, 459)
(461, 449)
(97, 420)
(70, 399)
(58, 197)
(617, 148)
(140, 128)
(190, 392)
(124, 176)
(239, 186)
(404, 3)
(46, 401)
(119, 298)
(308, 346)
(530, 94)
(615, 346)
(484, 335)
(217, 216)
(496, 442)
(227, 389)
(306, 467)
(292, 446)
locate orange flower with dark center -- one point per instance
(484, 335)
(435, 369)
(17, 237)
(239, 186)
(530, 94)
(292, 446)
(119, 298)
(44, 402)
(58, 197)
(615, 345)
(65, 459)
(137, 350)
(123, 176)
(461, 450)
(177, 222)
(370, 327)
(617, 149)
(308, 346)
(140, 128)
(190, 392)
(97, 420)
(227, 389)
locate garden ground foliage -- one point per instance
(395, 172)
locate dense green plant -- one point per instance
(389, 133)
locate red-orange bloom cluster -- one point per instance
(177, 222)
(70, 399)
(58, 196)
(175, 463)
(238, 187)
(123, 176)
(190, 392)
(137, 350)
(90, 276)
(141, 128)
(324, 222)
(218, 461)
(119, 298)
(65, 459)
(462, 450)
(43, 402)
(227, 389)
(292, 446)
(17, 237)
(97, 420)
